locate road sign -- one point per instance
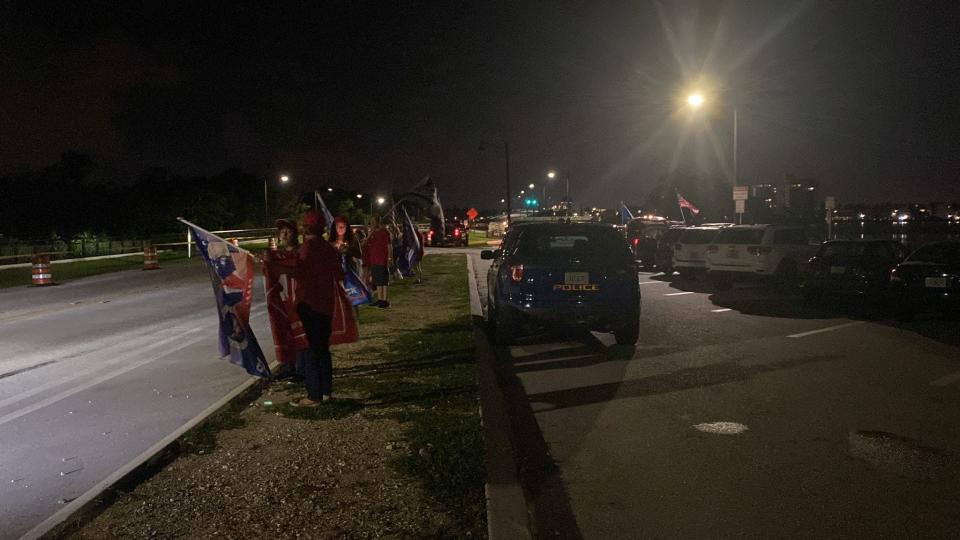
(472, 213)
(740, 206)
(830, 203)
(740, 193)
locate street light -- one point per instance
(380, 201)
(266, 207)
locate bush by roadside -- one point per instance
(398, 454)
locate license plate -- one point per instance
(576, 278)
(936, 282)
(838, 269)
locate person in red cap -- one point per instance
(317, 273)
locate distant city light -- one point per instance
(862, 215)
(530, 186)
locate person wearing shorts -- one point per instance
(377, 254)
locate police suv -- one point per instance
(562, 275)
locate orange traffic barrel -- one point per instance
(151, 261)
(41, 271)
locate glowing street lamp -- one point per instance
(266, 207)
(695, 100)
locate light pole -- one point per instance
(696, 101)
(266, 207)
(506, 161)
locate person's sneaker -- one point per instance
(384, 304)
(304, 403)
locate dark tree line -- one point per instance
(67, 199)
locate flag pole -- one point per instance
(187, 223)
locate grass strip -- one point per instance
(20, 277)
(421, 372)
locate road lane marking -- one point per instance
(678, 293)
(827, 329)
(721, 310)
(652, 282)
(722, 428)
(946, 379)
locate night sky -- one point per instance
(861, 96)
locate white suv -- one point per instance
(690, 250)
(751, 251)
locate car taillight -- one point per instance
(713, 248)
(758, 250)
(430, 235)
(635, 241)
(456, 233)
(516, 272)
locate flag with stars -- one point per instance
(231, 274)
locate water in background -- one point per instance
(912, 234)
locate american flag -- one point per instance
(687, 204)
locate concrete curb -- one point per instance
(507, 514)
(52, 526)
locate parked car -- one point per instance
(644, 237)
(663, 257)
(690, 251)
(562, 275)
(927, 280)
(454, 234)
(751, 252)
(852, 267)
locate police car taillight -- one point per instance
(635, 242)
(516, 273)
(456, 233)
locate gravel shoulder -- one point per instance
(398, 454)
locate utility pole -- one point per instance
(506, 154)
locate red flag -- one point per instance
(687, 204)
(288, 334)
(344, 326)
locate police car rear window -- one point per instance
(596, 243)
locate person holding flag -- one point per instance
(348, 246)
(409, 251)
(318, 276)
(289, 339)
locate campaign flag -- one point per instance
(625, 213)
(356, 290)
(409, 250)
(686, 204)
(343, 327)
(231, 274)
(289, 336)
(327, 216)
(425, 195)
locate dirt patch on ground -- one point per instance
(399, 454)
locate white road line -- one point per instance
(721, 310)
(827, 329)
(678, 293)
(652, 282)
(947, 379)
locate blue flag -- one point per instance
(231, 274)
(327, 216)
(409, 250)
(625, 214)
(357, 291)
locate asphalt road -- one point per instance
(96, 371)
(743, 414)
